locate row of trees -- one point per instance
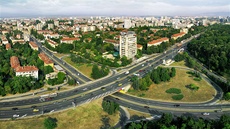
(183, 122)
(110, 107)
(156, 76)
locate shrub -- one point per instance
(177, 97)
(193, 87)
(141, 95)
(173, 91)
(197, 79)
(50, 123)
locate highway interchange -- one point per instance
(90, 90)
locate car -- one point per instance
(103, 88)
(205, 113)
(176, 105)
(120, 84)
(15, 115)
(14, 108)
(118, 78)
(35, 110)
(218, 110)
(48, 99)
(33, 106)
(117, 98)
(84, 89)
(143, 65)
(140, 70)
(146, 106)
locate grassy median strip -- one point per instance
(87, 116)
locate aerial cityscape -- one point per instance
(113, 64)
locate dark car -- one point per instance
(33, 106)
(117, 98)
(14, 108)
(146, 106)
(176, 105)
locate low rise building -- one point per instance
(47, 61)
(52, 43)
(33, 45)
(140, 47)
(178, 35)
(27, 71)
(69, 40)
(8, 46)
(14, 62)
(157, 41)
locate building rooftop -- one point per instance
(45, 58)
(26, 68)
(14, 62)
(158, 40)
(33, 44)
(178, 34)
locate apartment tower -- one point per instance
(128, 44)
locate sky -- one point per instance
(25, 8)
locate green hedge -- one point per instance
(177, 97)
(197, 79)
(173, 91)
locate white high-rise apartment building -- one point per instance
(39, 26)
(127, 23)
(128, 44)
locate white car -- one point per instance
(85, 89)
(143, 65)
(15, 115)
(205, 113)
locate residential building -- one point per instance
(50, 26)
(52, 43)
(178, 35)
(4, 40)
(56, 23)
(127, 23)
(8, 46)
(69, 40)
(14, 62)
(128, 44)
(47, 61)
(39, 26)
(33, 45)
(114, 42)
(27, 71)
(140, 47)
(157, 41)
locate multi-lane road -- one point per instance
(93, 90)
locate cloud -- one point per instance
(111, 7)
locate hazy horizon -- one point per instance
(46, 8)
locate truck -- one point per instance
(127, 72)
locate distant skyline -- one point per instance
(30, 8)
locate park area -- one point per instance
(179, 87)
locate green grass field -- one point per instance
(157, 91)
(88, 116)
(86, 69)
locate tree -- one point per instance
(110, 107)
(173, 72)
(50, 123)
